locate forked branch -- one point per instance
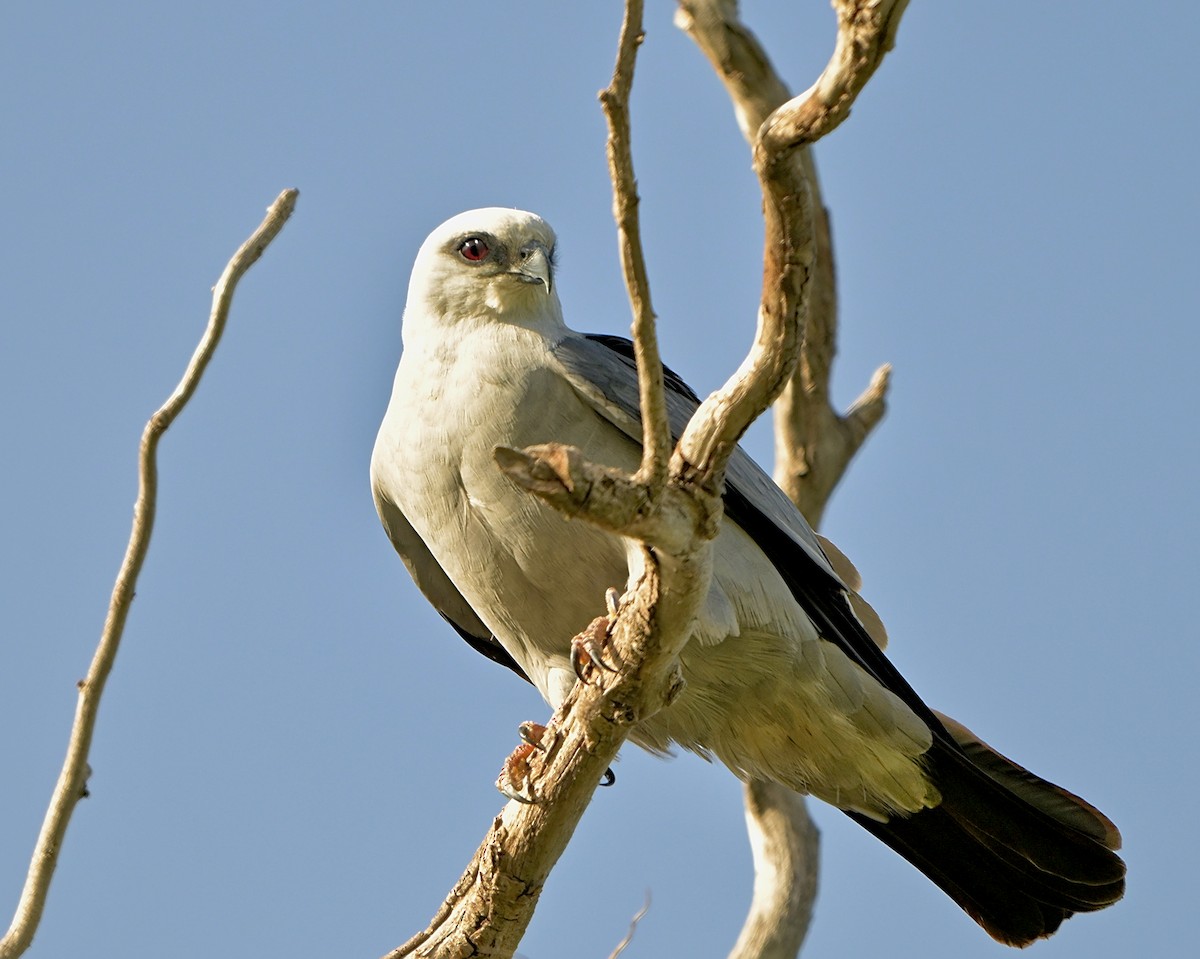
(814, 444)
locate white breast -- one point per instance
(451, 407)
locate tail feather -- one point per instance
(949, 856)
(1056, 802)
(1017, 853)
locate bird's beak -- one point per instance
(534, 266)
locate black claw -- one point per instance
(577, 662)
(531, 733)
(589, 651)
(528, 798)
(610, 777)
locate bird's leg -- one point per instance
(593, 647)
(591, 651)
(516, 776)
(531, 733)
(515, 780)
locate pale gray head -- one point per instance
(492, 264)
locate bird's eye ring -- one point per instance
(473, 248)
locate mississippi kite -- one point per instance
(784, 678)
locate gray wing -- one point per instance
(432, 580)
(602, 368)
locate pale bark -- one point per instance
(656, 446)
(813, 443)
(489, 909)
(72, 780)
(786, 849)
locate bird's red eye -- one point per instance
(473, 248)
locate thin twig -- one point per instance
(656, 444)
(72, 781)
(633, 924)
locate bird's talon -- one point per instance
(609, 778)
(591, 648)
(532, 733)
(516, 776)
(612, 601)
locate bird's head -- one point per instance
(492, 263)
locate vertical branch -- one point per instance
(614, 100)
(72, 781)
(814, 444)
(786, 847)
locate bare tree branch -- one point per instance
(811, 428)
(489, 909)
(656, 432)
(738, 59)
(789, 205)
(866, 32)
(72, 781)
(814, 445)
(786, 849)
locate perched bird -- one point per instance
(786, 678)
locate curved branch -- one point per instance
(866, 30)
(866, 33)
(814, 446)
(786, 848)
(72, 781)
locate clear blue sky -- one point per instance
(296, 756)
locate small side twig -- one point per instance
(72, 781)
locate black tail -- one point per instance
(1019, 854)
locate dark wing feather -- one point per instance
(756, 504)
(624, 348)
